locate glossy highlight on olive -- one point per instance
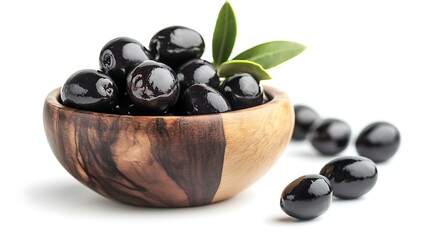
(89, 90)
(153, 87)
(330, 136)
(307, 197)
(175, 45)
(305, 117)
(197, 71)
(350, 176)
(378, 141)
(119, 56)
(202, 99)
(242, 91)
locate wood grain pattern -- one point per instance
(143, 161)
(169, 161)
(254, 142)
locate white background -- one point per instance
(365, 60)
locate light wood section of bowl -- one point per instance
(254, 142)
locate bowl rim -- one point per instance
(276, 96)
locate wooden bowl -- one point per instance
(169, 161)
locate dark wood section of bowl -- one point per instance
(162, 162)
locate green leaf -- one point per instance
(271, 54)
(224, 34)
(232, 67)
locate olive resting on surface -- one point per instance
(305, 117)
(307, 197)
(330, 136)
(378, 141)
(350, 176)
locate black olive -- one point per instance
(307, 197)
(305, 117)
(350, 177)
(175, 45)
(197, 71)
(153, 87)
(330, 136)
(126, 107)
(202, 99)
(119, 56)
(378, 141)
(89, 90)
(242, 91)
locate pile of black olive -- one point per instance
(169, 78)
(346, 177)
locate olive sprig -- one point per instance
(254, 60)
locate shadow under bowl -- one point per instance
(169, 161)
